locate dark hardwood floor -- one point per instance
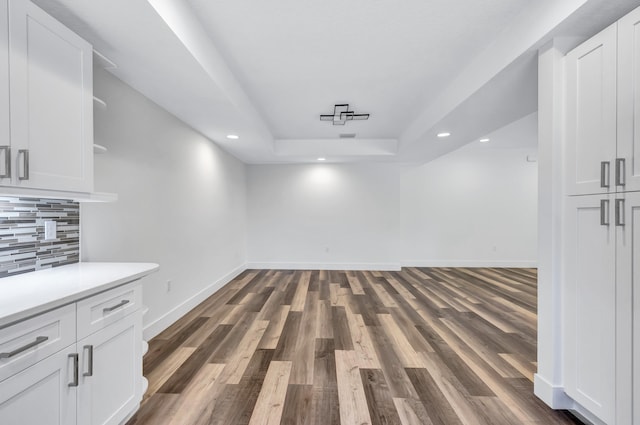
(421, 346)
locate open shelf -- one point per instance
(101, 104)
(99, 149)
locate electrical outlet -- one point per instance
(50, 230)
(168, 286)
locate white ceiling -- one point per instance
(266, 70)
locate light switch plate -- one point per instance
(50, 230)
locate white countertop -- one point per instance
(32, 293)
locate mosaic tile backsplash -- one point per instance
(22, 245)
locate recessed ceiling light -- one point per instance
(444, 134)
(322, 159)
(232, 136)
(485, 140)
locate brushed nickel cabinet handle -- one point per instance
(25, 164)
(120, 304)
(75, 381)
(89, 371)
(620, 170)
(619, 212)
(604, 173)
(604, 212)
(39, 340)
(7, 162)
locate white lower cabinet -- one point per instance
(589, 297)
(97, 380)
(41, 394)
(111, 372)
(628, 332)
(601, 299)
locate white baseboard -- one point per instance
(553, 395)
(469, 263)
(326, 266)
(585, 416)
(154, 328)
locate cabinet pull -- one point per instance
(604, 173)
(604, 212)
(620, 171)
(120, 304)
(74, 383)
(39, 340)
(25, 164)
(7, 162)
(619, 212)
(89, 371)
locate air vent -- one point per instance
(347, 135)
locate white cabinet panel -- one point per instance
(40, 394)
(628, 242)
(629, 98)
(51, 102)
(5, 136)
(591, 114)
(111, 391)
(601, 298)
(590, 304)
(634, 235)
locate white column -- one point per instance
(548, 380)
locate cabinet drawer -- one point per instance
(29, 341)
(108, 307)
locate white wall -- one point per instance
(476, 206)
(323, 216)
(182, 203)
(203, 215)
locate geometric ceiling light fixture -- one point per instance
(342, 114)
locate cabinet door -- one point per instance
(629, 98)
(51, 102)
(5, 136)
(628, 259)
(110, 385)
(40, 394)
(589, 301)
(590, 73)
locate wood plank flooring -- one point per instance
(440, 346)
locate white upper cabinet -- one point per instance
(629, 100)
(603, 111)
(51, 85)
(591, 115)
(5, 136)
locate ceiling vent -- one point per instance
(342, 114)
(347, 135)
